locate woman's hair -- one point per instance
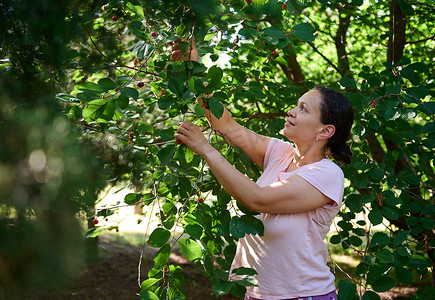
(335, 109)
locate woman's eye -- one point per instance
(302, 108)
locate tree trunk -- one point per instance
(397, 40)
(340, 44)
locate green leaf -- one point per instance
(195, 85)
(245, 271)
(191, 250)
(130, 92)
(428, 128)
(159, 237)
(348, 82)
(106, 84)
(94, 109)
(175, 85)
(162, 257)
(199, 111)
(222, 288)
(369, 295)
(385, 256)
(404, 275)
(428, 210)
(383, 284)
(335, 239)
(214, 77)
(147, 295)
(393, 89)
(390, 213)
(379, 240)
(362, 268)
(132, 198)
(195, 231)
(400, 237)
(216, 108)
(123, 101)
(375, 216)
(165, 154)
(146, 284)
(239, 226)
(180, 29)
(346, 290)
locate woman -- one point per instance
(298, 194)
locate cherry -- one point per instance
(140, 84)
(115, 18)
(200, 200)
(179, 142)
(95, 221)
(170, 43)
(153, 33)
(107, 219)
(284, 6)
(249, 1)
(165, 269)
(274, 53)
(117, 230)
(287, 35)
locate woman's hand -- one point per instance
(192, 53)
(191, 135)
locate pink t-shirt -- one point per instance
(291, 256)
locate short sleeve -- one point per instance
(327, 177)
(275, 151)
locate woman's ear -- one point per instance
(326, 132)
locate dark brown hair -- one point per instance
(335, 109)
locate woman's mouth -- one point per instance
(289, 123)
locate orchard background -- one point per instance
(90, 99)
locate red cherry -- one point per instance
(165, 269)
(287, 35)
(107, 219)
(115, 18)
(200, 200)
(170, 43)
(284, 6)
(153, 33)
(249, 1)
(274, 53)
(140, 84)
(179, 142)
(117, 230)
(95, 221)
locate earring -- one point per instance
(317, 138)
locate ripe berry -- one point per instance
(107, 219)
(140, 84)
(284, 6)
(170, 43)
(287, 35)
(179, 142)
(165, 269)
(153, 33)
(274, 53)
(200, 200)
(115, 18)
(249, 1)
(95, 221)
(117, 230)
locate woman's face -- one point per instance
(303, 122)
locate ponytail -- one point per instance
(336, 110)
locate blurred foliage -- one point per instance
(110, 63)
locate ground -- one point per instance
(115, 277)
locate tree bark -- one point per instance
(340, 45)
(397, 40)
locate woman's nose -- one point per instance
(290, 113)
